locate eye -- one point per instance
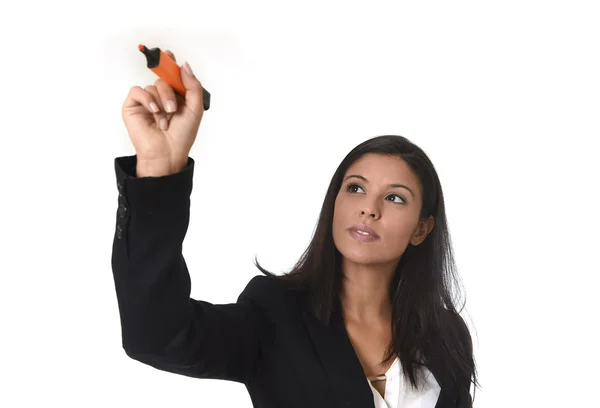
(351, 189)
(396, 195)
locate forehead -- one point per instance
(379, 168)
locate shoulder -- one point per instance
(271, 293)
(263, 287)
(459, 328)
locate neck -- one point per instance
(366, 292)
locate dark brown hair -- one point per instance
(424, 316)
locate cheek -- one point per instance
(401, 236)
(397, 240)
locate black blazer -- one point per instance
(269, 340)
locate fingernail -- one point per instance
(153, 107)
(187, 67)
(170, 106)
(163, 124)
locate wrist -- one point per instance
(160, 168)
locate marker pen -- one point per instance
(167, 69)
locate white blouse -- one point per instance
(399, 392)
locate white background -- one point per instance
(502, 96)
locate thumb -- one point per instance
(193, 88)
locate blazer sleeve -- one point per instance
(160, 324)
(465, 398)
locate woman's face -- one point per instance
(383, 193)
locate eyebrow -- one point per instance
(390, 186)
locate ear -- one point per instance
(422, 231)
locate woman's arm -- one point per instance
(161, 325)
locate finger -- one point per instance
(161, 117)
(162, 104)
(193, 94)
(139, 97)
(167, 96)
(171, 55)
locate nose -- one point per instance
(370, 212)
(370, 208)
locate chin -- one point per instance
(362, 253)
(358, 253)
(360, 260)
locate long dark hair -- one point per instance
(424, 306)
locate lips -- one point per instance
(363, 233)
(364, 228)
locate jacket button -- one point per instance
(119, 232)
(122, 211)
(120, 188)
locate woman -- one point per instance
(366, 317)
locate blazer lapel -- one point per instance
(448, 395)
(349, 385)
